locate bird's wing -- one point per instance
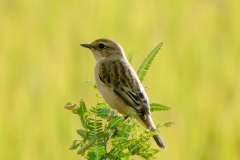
(120, 77)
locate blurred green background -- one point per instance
(197, 73)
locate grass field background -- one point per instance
(196, 73)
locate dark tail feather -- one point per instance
(159, 141)
(147, 122)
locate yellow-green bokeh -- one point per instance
(197, 72)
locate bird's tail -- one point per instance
(148, 123)
(159, 141)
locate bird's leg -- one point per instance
(125, 118)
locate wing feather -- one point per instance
(120, 77)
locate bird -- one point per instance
(119, 84)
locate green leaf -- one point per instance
(125, 130)
(168, 124)
(97, 147)
(158, 107)
(94, 125)
(116, 151)
(92, 83)
(75, 145)
(82, 133)
(142, 70)
(129, 57)
(103, 110)
(83, 113)
(89, 144)
(114, 122)
(133, 149)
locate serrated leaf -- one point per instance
(142, 70)
(158, 107)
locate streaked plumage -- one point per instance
(119, 84)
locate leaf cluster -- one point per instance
(104, 127)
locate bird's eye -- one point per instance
(101, 46)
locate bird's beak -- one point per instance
(86, 45)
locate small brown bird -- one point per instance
(119, 84)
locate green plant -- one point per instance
(102, 125)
